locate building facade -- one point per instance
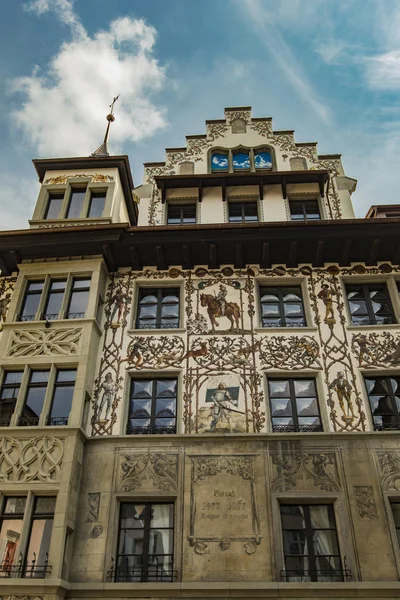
(200, 378)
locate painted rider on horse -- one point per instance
(222, 294)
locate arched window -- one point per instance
(298, 164)
(241, 160)
(262, 159)
(186, 168)
(219, 161)
(238, 126)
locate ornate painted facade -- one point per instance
(200, 378)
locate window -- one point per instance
(396, 516)
(31, 301)
(384, 400)
(75, 205)
(41, 528)
(8, 395)
(310, 543)
(62, 397)
(282, 307)
(242, 212)
(304, 210)
(294, 405)
(145, 543)
(54, 299)
(369, 304)
(241, 159)
(96, 204)
(16, 526)
(153, 406)
(78, 298)
(158, 308)
(71, 291)
(181, 214)
(54, 205)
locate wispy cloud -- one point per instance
(64, 105)
(267, 25)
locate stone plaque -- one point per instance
(223, 505)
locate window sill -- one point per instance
(286, 329)
(156, 331)
(374, 327)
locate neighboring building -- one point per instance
(200, 380)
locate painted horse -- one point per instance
(232, 311)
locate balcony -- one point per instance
(150, 429)
(140, 574)
(299, 428)
(27, 570)
(323, 575)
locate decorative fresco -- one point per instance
(220, 355)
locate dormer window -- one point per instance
(241, 159)
(76, 201)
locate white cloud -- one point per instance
(383, 72)
(17, 200)
(64, 107)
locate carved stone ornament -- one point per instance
(49, 342)
(94, 506)
(95, 178)
(223, 506)
(13, 597)
(34, 459)
(389, 469)
(365, 501)
(321, 468)
(160, 469)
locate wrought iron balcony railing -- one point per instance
(292, 428)
(150, 429)
(5, 422)
(28, 421)
(306, 575)
(151, 573)
(77, 315)
(387, 427)
(57, 421)
(30, 570)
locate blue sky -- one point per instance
(329, 70)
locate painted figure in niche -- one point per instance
(217, 306)
(119, 301)
(222, 399)
(108, 389)
(4, 302)
(362, 342)
(343, 390)
(135, 349)
(326, 296)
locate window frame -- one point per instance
(141, 288)
(11, 386)
(229, 152)
(296, 427)
(144, 569)
(66, 189)
(302, 202)
(370, 313)
(242, 203)
(264, 286)
(312, 556)
(181, 206)
(152, 429)
(391, 395)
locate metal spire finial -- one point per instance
(103, 149)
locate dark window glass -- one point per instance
(294, 405)
(8, 395)
(97, 204)
(262, 159)
(78, 299)
(241, 160)
(304, 210)
(62, 397)
(158, 308)
(153, 406)
(34, 399)
(369, 304)
(145, 542)
(39, 537)
(54, 299)
(181, 214)
(219, 161)
(31, 300)
(76, 203)
(310, 543)
(396, 516)
(54, 205)
(240, 212)
(282, 307)
(384, 400)
(10, 534)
